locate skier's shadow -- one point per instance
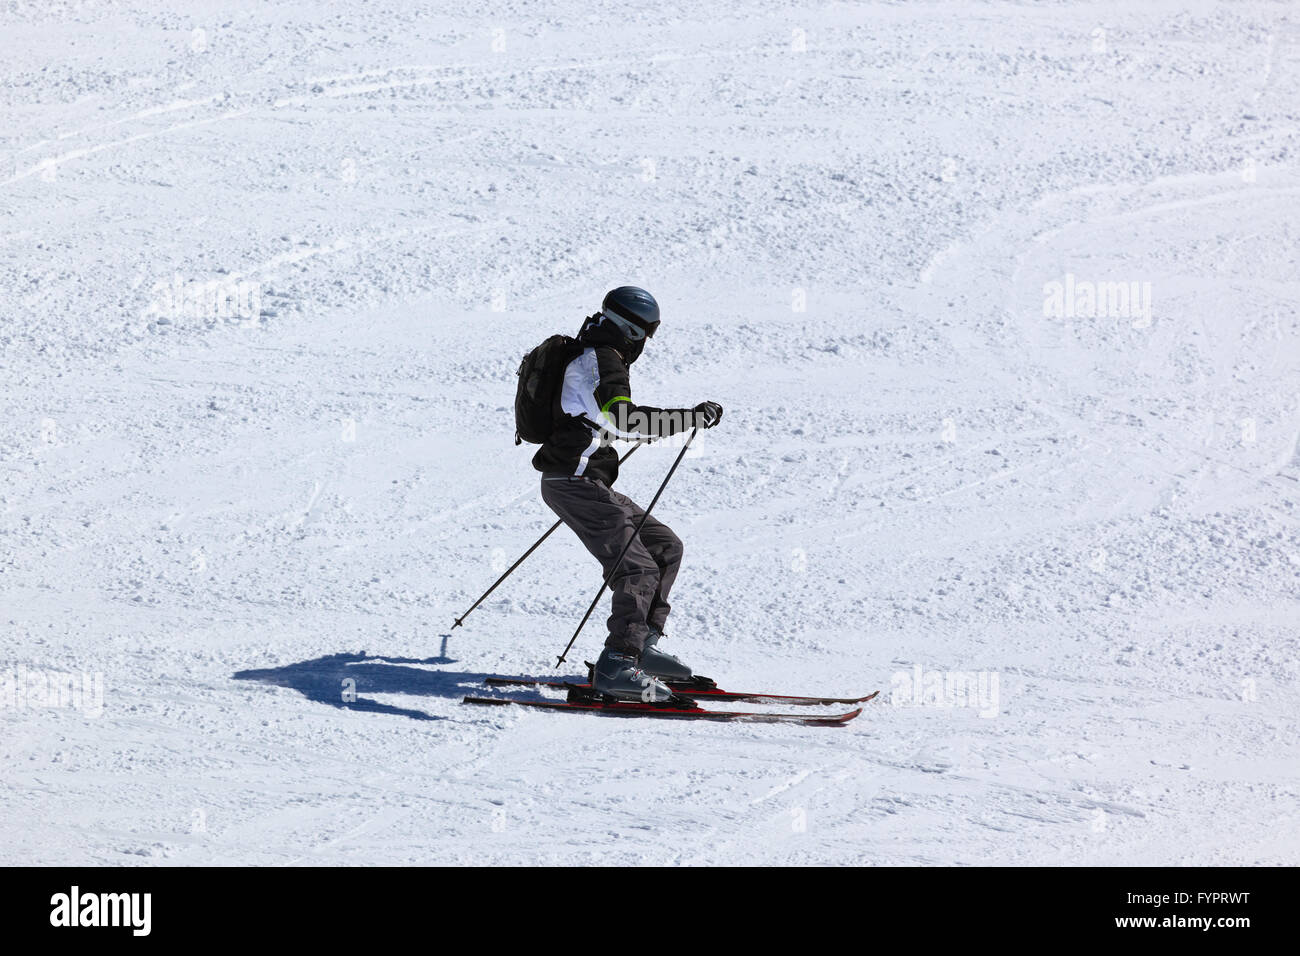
(344, 680)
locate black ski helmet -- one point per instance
(634, 306)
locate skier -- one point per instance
(579, 468)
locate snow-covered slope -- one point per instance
(852, 216)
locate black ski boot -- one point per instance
(618, 675)
(668, 668)
(658, 664)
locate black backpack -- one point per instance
(537, 393)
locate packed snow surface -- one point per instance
(1000, 299)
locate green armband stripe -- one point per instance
(616, 398)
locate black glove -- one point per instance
(707, 414)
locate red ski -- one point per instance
(690, 690)
(683, 712)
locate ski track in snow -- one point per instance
(236, 522)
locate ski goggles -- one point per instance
(633, 329)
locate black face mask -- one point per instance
(632, 350)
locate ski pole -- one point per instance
(535, 546)
(635, 534)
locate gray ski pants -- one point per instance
(604, 520)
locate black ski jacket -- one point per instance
(596, 408)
